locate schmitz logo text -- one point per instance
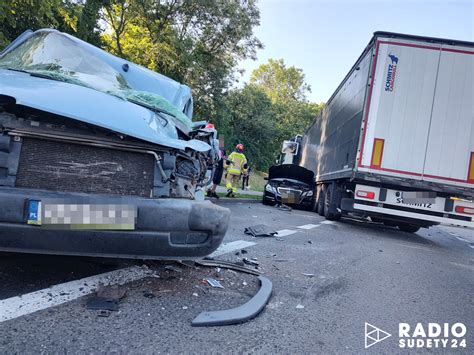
(391, 73)
(432, 335)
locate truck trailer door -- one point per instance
(398, 108)
(450, 149)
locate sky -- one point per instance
(325, 38)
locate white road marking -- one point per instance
(285, 232)
(327, 222)
(18, 306)
(308, 226)
(469, 267)
(462, 239)
(230, 247)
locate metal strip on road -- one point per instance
(18, 306)
(230, 247)
(308, 226)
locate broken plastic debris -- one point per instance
(250, 262)
(299, 306)
(101, 304)
(260, 230)
(306, 274)
(173, 268)
(214, 283)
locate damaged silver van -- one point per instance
(100, 156)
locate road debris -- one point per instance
(213, 282)
(228, 265)
(299, 306)
(102, 304)
(103, 313)
(173, 268)
(306, 274)
(148, 294)
(260, 230)
(250, 261)
(239, 314)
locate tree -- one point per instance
(195, 42)
(246, 116)
(16, 16)
(281, 83)
(287, 89)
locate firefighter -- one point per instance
(235, 167)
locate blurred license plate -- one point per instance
(288, 196)
(414, 197)
(65, 215)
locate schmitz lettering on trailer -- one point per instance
(391, 72)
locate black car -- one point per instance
(289, 184)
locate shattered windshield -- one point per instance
(55, 56)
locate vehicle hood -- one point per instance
(291, 171)
(94, 107)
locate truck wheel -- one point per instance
(331, 203)
(409, 228)
(320, 203)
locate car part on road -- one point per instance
(227, 265)
(213, 283)
(102, 304)
(250, 262)
(239, 314)
(260, 230)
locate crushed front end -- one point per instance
(99, 170)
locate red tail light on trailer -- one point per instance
(365, 194)
(464, 210)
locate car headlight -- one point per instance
(269, 188)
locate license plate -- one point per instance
(34, 212)
(289, 197)
(67, 215)
(418, 197)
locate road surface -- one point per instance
(329, 279)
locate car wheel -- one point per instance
(267, 203)
(320, 203)
(331, 204)
(409, 228)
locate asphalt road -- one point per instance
(329, 280)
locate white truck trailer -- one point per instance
(396, 139)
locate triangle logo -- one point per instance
(374, 335)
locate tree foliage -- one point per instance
(196, 42)
(247, 117)
(281, 83)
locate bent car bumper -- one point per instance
(164, 228)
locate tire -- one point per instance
(409, 228)
(320, 203)
(267, 203)
(331, 203)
